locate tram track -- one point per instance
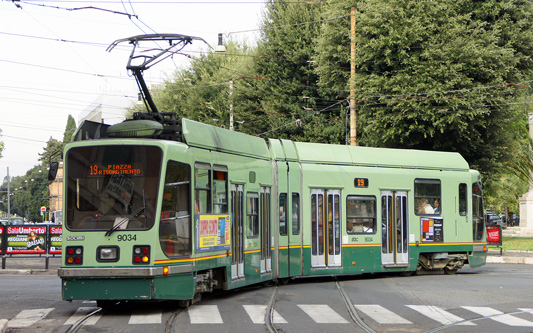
(352, 310)
(77, 325)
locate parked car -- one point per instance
(492, 219)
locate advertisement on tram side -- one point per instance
(212, 232)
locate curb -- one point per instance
(510, 260)
(3, 325)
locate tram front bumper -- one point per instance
(136, 283)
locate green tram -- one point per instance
(153, 214)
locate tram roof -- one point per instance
(211, 137)
(382, 157)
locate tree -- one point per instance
(285, 56)
(435, 75)
(1, 146)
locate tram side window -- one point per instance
(283, 214)
(295, 214)
(202, 181)
(361, 214)
(478, 224)
(463, 199)
(174, 229)
(252, 213)
(427, 197)
(220, 189)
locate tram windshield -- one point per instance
(111, 187)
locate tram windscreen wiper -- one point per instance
(124, 220)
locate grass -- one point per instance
(517, 244)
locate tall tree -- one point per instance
(435, 74)
(290, 96)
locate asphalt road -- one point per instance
(492, 298)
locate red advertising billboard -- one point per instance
(56, 238)
(1, 239)
(494, 235)
(26, 239)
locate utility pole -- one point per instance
(353, 114)
(8, 197)
(231, 128)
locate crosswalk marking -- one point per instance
(499, 316)
(82, 312)
(440, 315)
(205, 314)
(322, 314)
(381, 315)
(526, 310)
(143, 316)
(257, 314)
(26, 318)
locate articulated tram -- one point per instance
(166, 209)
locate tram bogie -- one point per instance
(157, 218)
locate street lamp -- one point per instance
(220, 48)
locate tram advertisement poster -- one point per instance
(56, 240)
(212, 232)
(1, 239)
(26, 239)
(431, 229)
(494, 235)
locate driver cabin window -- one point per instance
(175, 225)
(220, 189)
(202, 189)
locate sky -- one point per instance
(53, 60)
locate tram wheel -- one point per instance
(450, 271)
(285, 280)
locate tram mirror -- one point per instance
(52, 171)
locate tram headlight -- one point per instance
(107, 253)
(141, 254)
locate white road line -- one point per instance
(82, 312)
(442, 316)
(381, 315)
(26, 318)
(499, 316)
(257, 314)
(322, 314)
(143, 316)
(526, 310)
(205, 314)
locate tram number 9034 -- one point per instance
(126, 238)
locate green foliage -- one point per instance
(1, 146)
(433, 74)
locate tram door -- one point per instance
(266, 258)
(237, 231)
(394, 228)
(325, 228)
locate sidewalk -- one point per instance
(31, 266)
(509, 257)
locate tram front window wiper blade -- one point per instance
(124, 220)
